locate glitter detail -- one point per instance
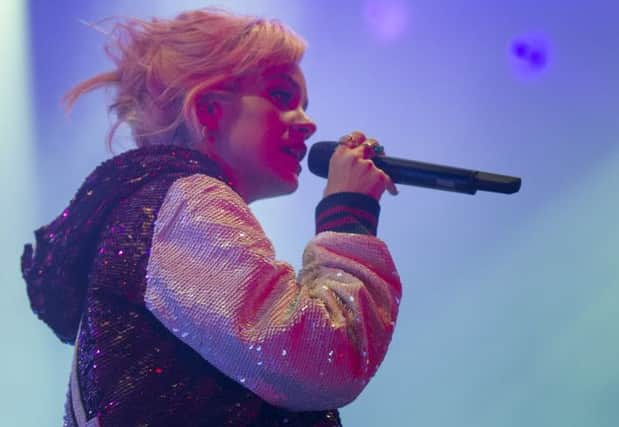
(118, 334)
(187, 386)
(126, 388)
(246, 297)
(57, 270)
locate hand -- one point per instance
(352, 170)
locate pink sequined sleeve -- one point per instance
(304, 343)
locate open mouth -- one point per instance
(298, 153)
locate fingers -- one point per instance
(357, 145)
(390, 185)
(371, 148)
(353, 139)
(350, 141)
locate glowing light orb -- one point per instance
(529, 55)
(387, 20)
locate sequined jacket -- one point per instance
(186, 316)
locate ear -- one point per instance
(209, 110)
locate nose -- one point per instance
(304, 125)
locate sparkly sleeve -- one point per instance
(304, 343)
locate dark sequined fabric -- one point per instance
(56, 271)
(131, 369)
(69, 418)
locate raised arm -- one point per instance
(310, 342)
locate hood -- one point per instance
(56, 269)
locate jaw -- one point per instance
(266, 189)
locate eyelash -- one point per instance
(287, 96)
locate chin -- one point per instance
(293, 188)
(288, 188)
(283, 187)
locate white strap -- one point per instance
(76, 395)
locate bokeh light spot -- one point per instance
(387, 20)
(529, 55)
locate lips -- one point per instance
(296, 151)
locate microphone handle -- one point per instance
(447, 178)
(410, 172)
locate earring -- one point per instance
(206, 135)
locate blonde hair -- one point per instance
(162, 65)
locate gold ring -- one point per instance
(348, 141)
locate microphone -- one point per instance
(428, 175)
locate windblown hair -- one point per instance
(162, 65)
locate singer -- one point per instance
(161, 276)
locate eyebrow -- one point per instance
(295, 84)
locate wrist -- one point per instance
(348, 212)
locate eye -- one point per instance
(282, 97)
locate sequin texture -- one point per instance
(252, 317)
(133, 370)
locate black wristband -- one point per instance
(348, 213)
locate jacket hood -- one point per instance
(56, 269)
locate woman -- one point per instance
(163, 278)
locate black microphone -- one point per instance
(420, 174)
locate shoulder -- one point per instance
(199, 188)
(200, 201)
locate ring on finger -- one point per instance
(350, 142)
(347, 140)
(375, 146)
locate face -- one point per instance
(261, 140)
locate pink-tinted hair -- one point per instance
(162, 65)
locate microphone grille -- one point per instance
(318, 158)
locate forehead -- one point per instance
(288, 72)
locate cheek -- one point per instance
(260, 124)
(268, 132)
(273, 124)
